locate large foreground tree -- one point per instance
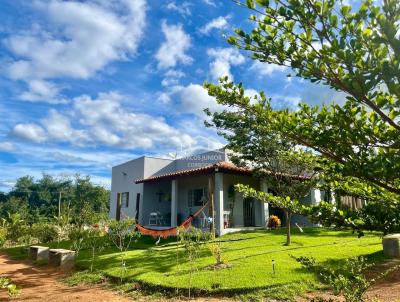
(355, 51)
(287, 171)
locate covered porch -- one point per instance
(170, 198)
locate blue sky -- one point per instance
(85, 85)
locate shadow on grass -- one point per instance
(216, 290)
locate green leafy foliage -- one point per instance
(84, 277)
(44, 232)
(78, 236)
(96, 241)
(288, 170)
(354, 51)
(17, 227)
(5, 283)
(349, 280)
(122, 234)
(37, 200)
(192, 239)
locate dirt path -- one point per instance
(388, 288)
(42, 284)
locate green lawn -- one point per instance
(249, 253)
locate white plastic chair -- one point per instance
(153, 219)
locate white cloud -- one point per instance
(104, 121)
(134, 130)
(82, 38)
(182, 8)
(172, 77)
(7, 146)
(265, 69)
(194, 99)
(40, 90)
(31, 132)
(223, 59)
(174, 73)
(59, 128)
(285, 101)
(172, 51)
(210, 2)
(217, 23)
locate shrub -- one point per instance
(77, 236)
(44, 232)
(16, 228)
(349, 280)
(122, 233)
(192, 239)
(3, 234)
(274, 222)
(96, 241)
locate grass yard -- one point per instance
(250, 254)
(164, 267)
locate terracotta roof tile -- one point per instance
(220, 166)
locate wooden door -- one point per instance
(137, 207)
(118, 212)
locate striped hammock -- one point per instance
(170, 231)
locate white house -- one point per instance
(161, 193)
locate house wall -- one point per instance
(313, 198)
(196, 182)
(232, 179)
(184, 185)
(123, 177)
(123, 180)
(300, 219)
(151, 199)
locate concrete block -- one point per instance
(62, 258)
(391, 245)
(38, 253)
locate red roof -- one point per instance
(222, 166)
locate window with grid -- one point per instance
(197, 197)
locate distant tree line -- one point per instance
(38, 200)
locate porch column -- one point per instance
(315, 196)
(219, 203)
(333, 195)
(174, 203)
(264, 205)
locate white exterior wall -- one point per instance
(264, 205)
(124, 176)
(315, 196)
(174, 202)
(219, 203)
(233, 179)
(150, 201)
(184, 185)
(123, 180)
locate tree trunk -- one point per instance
(91, 264)
(288, 234)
